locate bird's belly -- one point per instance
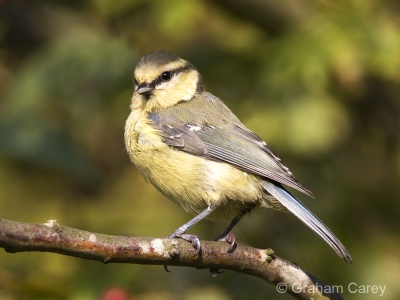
(195, 183)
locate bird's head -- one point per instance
(162, 79)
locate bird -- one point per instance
(191, 147)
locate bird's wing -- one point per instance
(232, 144)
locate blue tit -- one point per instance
(195, 151)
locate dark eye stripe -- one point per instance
(173, 73)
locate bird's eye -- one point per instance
(166, 76)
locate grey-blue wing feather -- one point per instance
(299, 210)
(245, 150)
(179, 136)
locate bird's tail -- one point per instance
(308, 218)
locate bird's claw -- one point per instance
(231, 240)
(215, 272)
(194, 239)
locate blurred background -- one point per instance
(318, 80)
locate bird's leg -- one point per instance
(229, 237)
(194, 239)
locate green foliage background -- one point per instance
(318, 80)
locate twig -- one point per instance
(53, 237)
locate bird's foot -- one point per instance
(230, 239)
(194, 239)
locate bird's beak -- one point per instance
(144, 89)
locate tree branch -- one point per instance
(53, 237)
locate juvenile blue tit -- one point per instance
(195, 151)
